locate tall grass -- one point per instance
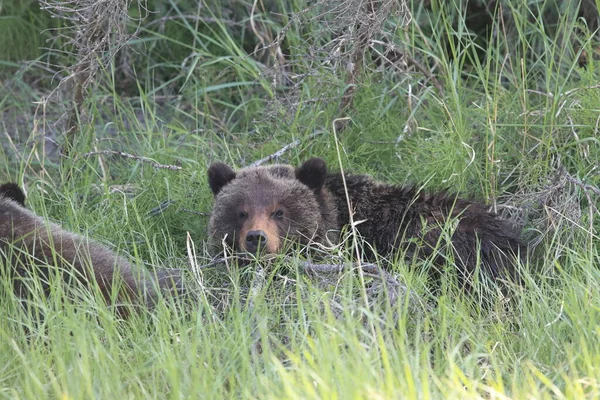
(516, 119)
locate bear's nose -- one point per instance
(256, 239)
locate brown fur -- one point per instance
(268, 199)
(30, 245)
(393, 218)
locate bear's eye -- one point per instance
(243, 214)
(278, 214)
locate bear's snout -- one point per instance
(256, 239)
(259, 233)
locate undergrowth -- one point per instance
(509, 117)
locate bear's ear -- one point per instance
(312, 173)
(219, 175)
(13, 192)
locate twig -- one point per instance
(570, 92)
(206, 20)
(283, 150)
(426, 72)
(214, 262)
(160, 209)
(277, 154)
(283, 32)
(565, 94)
(133, 156)
(201, 213)
(311, 268)
(579, 183)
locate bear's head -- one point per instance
(257, 208)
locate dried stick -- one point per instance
(277, 154)
(133, 156)
(395, 289)
(586, 187)
(283, 150)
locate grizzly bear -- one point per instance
(257, 208)
(31, 246)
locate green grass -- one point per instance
(511, 113)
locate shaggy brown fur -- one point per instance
(258, 207)
(29, 245)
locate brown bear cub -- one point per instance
(29, 245)
(258, 207)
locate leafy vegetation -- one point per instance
(506, 113)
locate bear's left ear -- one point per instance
(13, 192)
(219, 175)
(312, 173)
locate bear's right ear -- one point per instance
(13, 192)
(312, 173)
(219, 175)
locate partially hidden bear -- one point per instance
(261, 207)
(32, 247)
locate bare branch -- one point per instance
(97, 30)
(283, 150)
(584, 186)
(277, 154)
(328, 274)
(133, 156)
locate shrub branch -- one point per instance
(96, 31)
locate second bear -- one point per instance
(31, 246)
